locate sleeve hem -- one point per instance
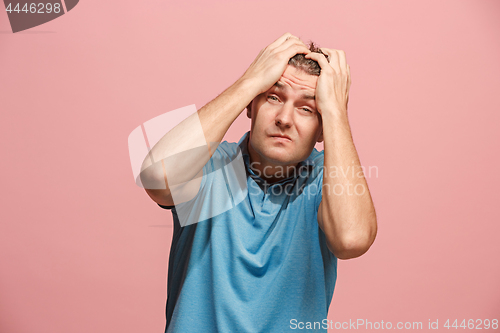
(166, 207)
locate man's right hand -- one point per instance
(271, 62)
(177, 159)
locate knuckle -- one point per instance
(279, 56)
(299, 47)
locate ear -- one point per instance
(320, 139)
(249, 110)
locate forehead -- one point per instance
(298, 79)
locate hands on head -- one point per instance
(334, 81)
(271, 62)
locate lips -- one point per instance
(280, 136)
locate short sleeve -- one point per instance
(166, 207)
(202, 184)
(222, 187)
(318, 177)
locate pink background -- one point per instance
(83, 249)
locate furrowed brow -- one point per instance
(281, 86)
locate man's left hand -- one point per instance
(332, 88)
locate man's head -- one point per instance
(285, 122)
(309, 66)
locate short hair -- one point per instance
(309, 66)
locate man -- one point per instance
(259, 224)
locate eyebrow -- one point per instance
(281, 86)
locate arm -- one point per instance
(178, 153)
(346, 213)
(173, 163)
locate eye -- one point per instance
(272, 97)
(307, 109)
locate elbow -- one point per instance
(153, 177)
(353, 245)
(349, 251)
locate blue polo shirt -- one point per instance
(247, 256)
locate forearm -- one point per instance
(217, 116)
(349, 219)
(182, 152)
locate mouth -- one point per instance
(281, 137)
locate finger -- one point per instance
(327, 53)
(283, 39)
(321, 60)
(342, 61)
(349, 81)
(298, 39)
(334, 59)
(291, 43)
(280, 40)
(294, 49)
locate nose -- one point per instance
(284, 118)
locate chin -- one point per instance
(278, 156)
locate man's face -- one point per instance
(285, 122)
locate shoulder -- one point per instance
(225, 153)
(232, 149)
(317, 158)
(227, 148)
